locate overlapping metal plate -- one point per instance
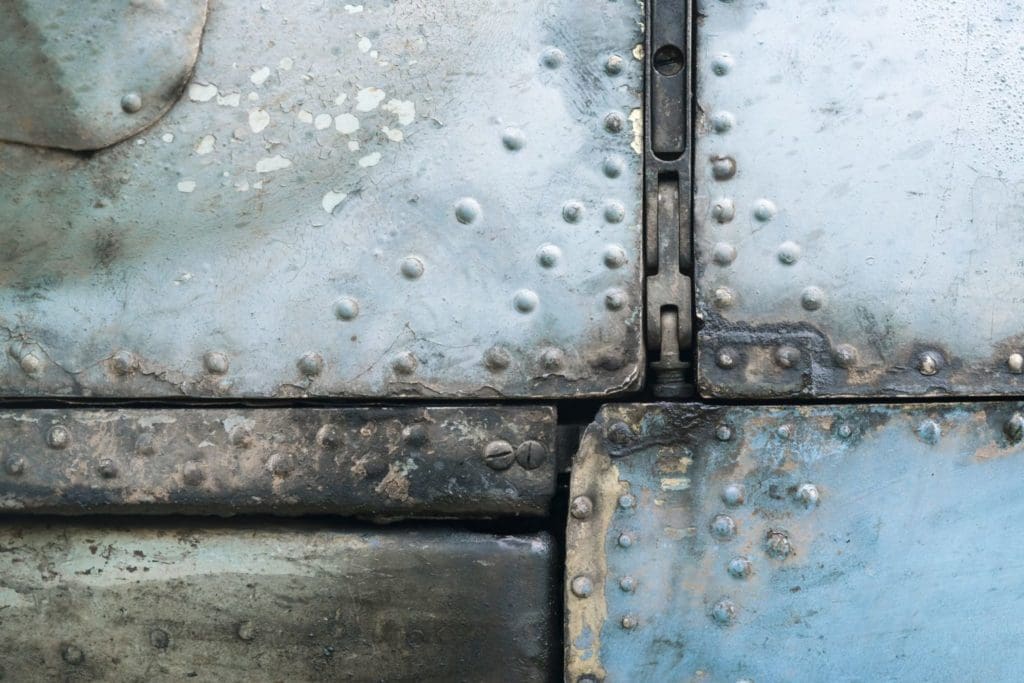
(852, 543)
(349, 199)
(859, 183)
(82, 603)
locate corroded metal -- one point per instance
(825, 543)
(374, 199)
(87, 75)
(363, 461)
(857, 199)
(298, 603)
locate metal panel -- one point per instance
(298, 604)
(367, 461)
(825, 543)
(367, 199)
(859, 178)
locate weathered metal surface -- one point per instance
(372, 199)
(365, 461)
(86, 75)
(858, 198)
(853, 542)
(273, 604)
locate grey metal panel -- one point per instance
(826, 543)
(85, 603)
(364, 199)
(365, 461)
(859, 177)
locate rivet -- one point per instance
(723, 210)
(787, 356)
(627, 501)
(722, 121)
(812, 298)
(581, 507)
(625, 540)
(72, 654)
(613, 65)
(723, 526)
(311, 364)
(614, 122)
(514, 139)
(412, 267)
(548, 256)
(145, 444)
(192, 474)
(614, 256)
(784, 432)
(627, 584)
(844, 431)
(1014, 428)
(497, 359)
(107, 468)
(724, 612)
(614, 212)
(807, 495)
(499, 455)
(329, 436)
(582, 586)
(1015, 363)
(552, 360)
(723, 432)
(739, 567)
(615, 299)
(845, 356)
(240, 436)
(525, 300)
(789, 253)
(246, 630)
(123, 363)
(14, 465)
(467, 210)
(280, 464)
(613, 167)
(723, 253)
(346, 308)
(531, 454)
(777, 544)
(416, 436)
(764, 210)
(159, 638)
(30, 363)
(929, 363)
(552, 58)
(404, 363)
(58, 437)
(929, 431)
(726, 358)
(629, 622)
(733, 495)
(724, 297)
(131, 102)
(722, 167)
(619, 433)
(721, 64)
(215, 362)
(572, 212)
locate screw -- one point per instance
(14, 465)
(107, 468)
(581, 507)
(58, 437)
(777, 544)
(159, 638)
(531, 454)
(582, 586)
(1014, 428)
(499, 455)
(808, 495)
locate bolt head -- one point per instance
(629, 622)
(723, 432)
(582, 586)
(581, 507)
(499, 455)
(531, 454)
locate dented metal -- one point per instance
(818, 543)
(359, 461)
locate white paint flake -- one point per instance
(322, 121)
(286, 64)
(186, 186)
(258, 120)
(370, 160)
(353, 9)
(346, 123)
(367, 99)
(253, 96)
(205, 145)
(340, 99)
(231, 100)
(332, 199)
(274, 163)
(393, 134)
(259, 76)
(353, 145)
(242, 186)
(201, 92)
(403, 109)
(305, 116)
(167, 137)
(364, 44)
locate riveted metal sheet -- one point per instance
(372, 199)
(859, 177)
(82, 76)
(173, 603)
(365, 461)
(853, 542)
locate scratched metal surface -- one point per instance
(828, 543)
(364, 199)
(297, 603)
(382, 463)
(859, 185)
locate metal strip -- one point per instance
(365, 461)
(82, 603)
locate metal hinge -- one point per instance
(668, 253)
